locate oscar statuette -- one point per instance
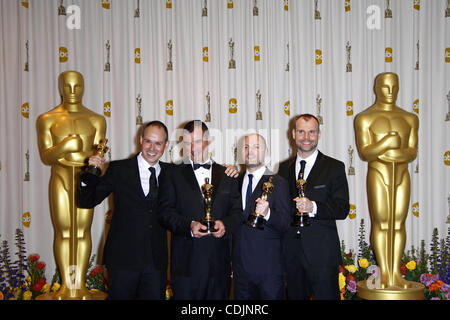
(259, 115)
(257, 220)
(301, 219)
(388, 188)
(232, 62)
(61, 8)
(205, 9)
(208, 221)
(170, 63)
(388, 11)
(255, 9)
(101, 149)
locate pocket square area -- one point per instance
(320, 186)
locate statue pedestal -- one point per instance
(414, 292)
(76, 295)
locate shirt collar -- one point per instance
(309, 160)
(207, 161)
(257, 174)
(143, 164)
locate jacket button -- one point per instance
(150, 226)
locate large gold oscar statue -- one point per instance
(67, 135)
(387, 138)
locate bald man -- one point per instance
(257, 254)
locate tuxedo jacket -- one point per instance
(181, 201)
(327, 186)
(134, 232)
(259, 252)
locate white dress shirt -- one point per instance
(309, 164)
(144, 172)
(202, 173)
(257, 175)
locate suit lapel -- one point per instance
(241, 181)
(135, 177)
(189, 175)
(315, 171)
(194, 197)
(216, 175)
(292, 178)
(257, 191)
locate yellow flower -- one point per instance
(27, 295)
(45, 288)
(351, 268)
(55, 287)
(28, 280)
(341, 281)
(411, 265)
(363, 263)
(17, 292)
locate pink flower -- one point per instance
(427, 279)
(445, 288)
(351, 286)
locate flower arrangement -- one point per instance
(436, 278)
(435, 289)
(24, 279)
(96, 277)
(432, 270)
(12, 278)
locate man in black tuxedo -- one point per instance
(200, 261)
(135, 252)
(257, 254)
(313, 257)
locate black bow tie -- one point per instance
(205, 165)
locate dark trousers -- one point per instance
(200, 286)
(132, 284)
(259, 287)
(304, 279)
(204, 282)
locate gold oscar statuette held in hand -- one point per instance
(257, 220)
(208, 221)
(101, 149)
(301, 219)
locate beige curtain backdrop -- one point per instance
(170, 60)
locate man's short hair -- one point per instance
(307, 117)
(158, 124)
(191, 125)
